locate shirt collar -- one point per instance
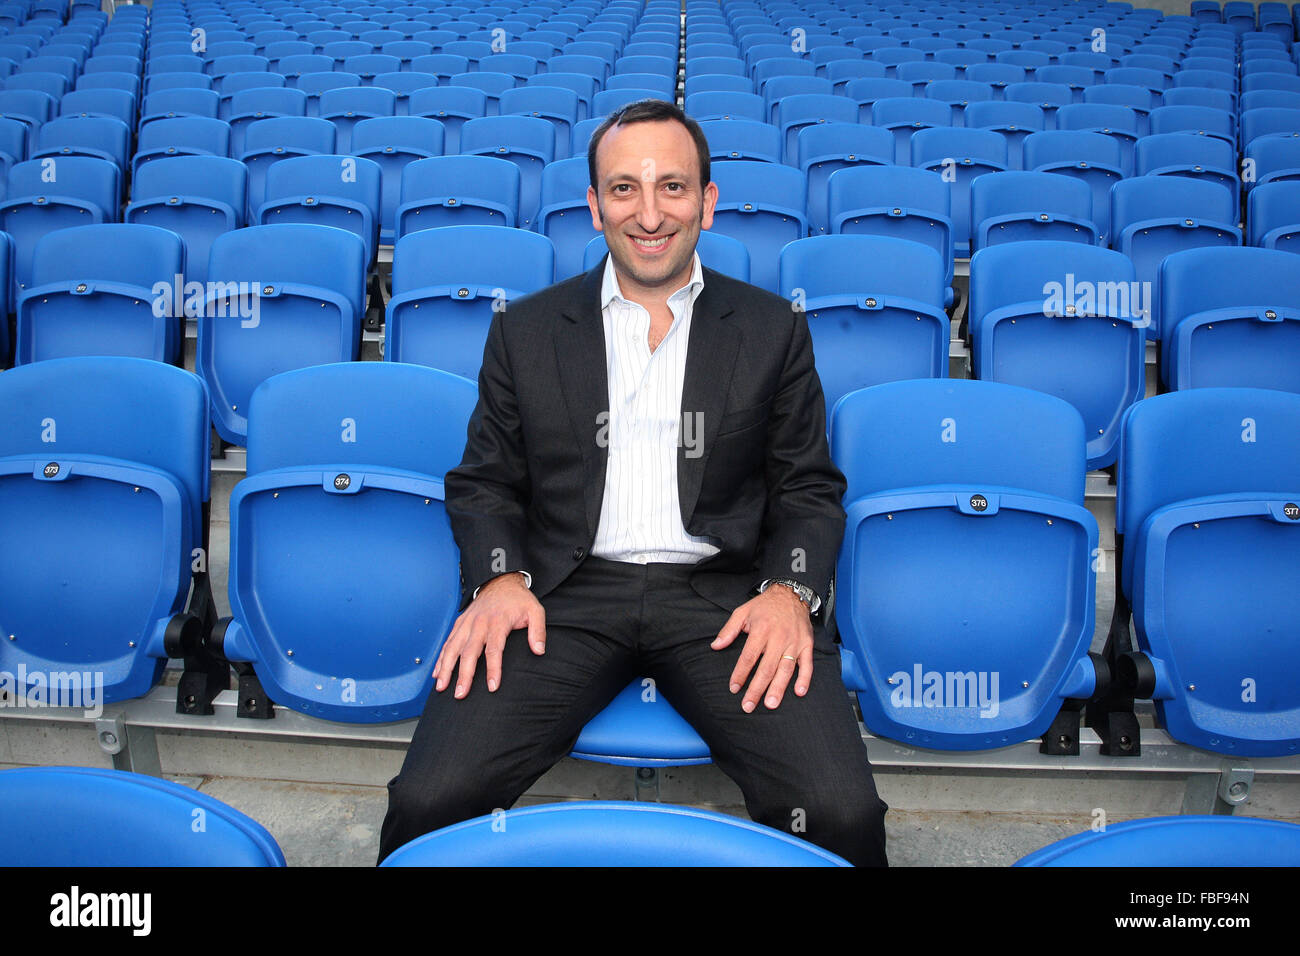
(610, 289)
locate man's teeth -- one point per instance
(650, 243)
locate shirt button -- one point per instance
(579, 554)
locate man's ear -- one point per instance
(594, 205)
(710, 202)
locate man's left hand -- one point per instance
(780, 639)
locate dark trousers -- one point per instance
(802, 767)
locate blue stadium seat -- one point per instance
(1066, 319)
(1192, 840)
(180, 136)
(1092, 157)
(268, 141)
(1273, 215)
(875, 308)
(725, 105)
(280, 298)
(1017, 206)
(315, 84)
(338, 191)
(904, 117)
(117, 104)
(55, 193)
(249, 106)
(558, 106)
(609, 834)
(796, 112)
(88, 817)
(826, 148)
(960, 156)
(1269, 121)
(133, 436)
(742, 139)
(1120, 123)
(448, 283)
(1137, 98)
(451, 106)
(564, 217)
(99, 137)
(948, 473)
(394, 142)
(1015, 121)
(332, 470)
(717, 252)
(170, 104)
(895, 201)
(347, 107)
(457, 190)
(402, 85)
(762, 205)
(1194, 157)
(196, 197)
(526, 141)
(92, 292)
(1207, 511)
(1228, 317)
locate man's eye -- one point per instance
(674, 187)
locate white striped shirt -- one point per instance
(640, 512)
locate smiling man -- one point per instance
(646, 491)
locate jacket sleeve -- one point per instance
(804, 521)
(487, 495)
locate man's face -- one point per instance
(649, 203)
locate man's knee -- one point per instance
(417, 807)
(850, 823)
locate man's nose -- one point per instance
(650, 216)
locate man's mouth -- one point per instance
(651, 243)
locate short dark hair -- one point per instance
(649, 111)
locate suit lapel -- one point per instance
(584, 382)
(710, 361)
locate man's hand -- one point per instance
(503, 605)
(780, 637)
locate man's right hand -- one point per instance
(503, 605)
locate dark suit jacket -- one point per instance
(761, 485)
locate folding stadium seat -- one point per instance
(1205, 533)
(560, 107)
(1188, 840)
(347, 107)
(197, 197)
(959, 95)
(526, 141)
(1197, 120)
(741, 139)
(13, 146)
(1274, 215)
(1270, 81)
(157, 82)
(30, 107)
(1227, 318)
(564, 217)
(299, 300)
(1195, 157)
(1028, 60)
(826, 148)
(134, 433)
(947, 473)
(180, 136)
(1154, 216)
(1120, 123)
(298, 64)
(47, 83)
(458, 190)
(926, 71)
(339, 191)
(718, 83)
(1066, 319)
(115, 104)
(797, 112)
(447, 285)
(402, 85)
(100, 137)
(611, 834)
(381, 501)
(875, 308)
(959, 156)
(394, 142)
(724, 104)
(1269, 121)
(1024, 206)
(1093, 157)
(904, 116)
(270, 140)
(1015, 121)
(55, 193)
(232, 83)
(1286, 99)
(762, 205)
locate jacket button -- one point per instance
(579, 554)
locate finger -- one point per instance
(492, 655)
(780, 680)
(805, 670)
(749, 656)
(468, 665)
(762, 678)
(450, 651)
(537, 629)
(735, 624)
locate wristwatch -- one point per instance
(804, 593)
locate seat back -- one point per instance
(1274, 215)
(457, 190)
(331, 450)
(339, 191)
(1206, 841)
(762, 205)
(1018, 206)
(196, 197)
